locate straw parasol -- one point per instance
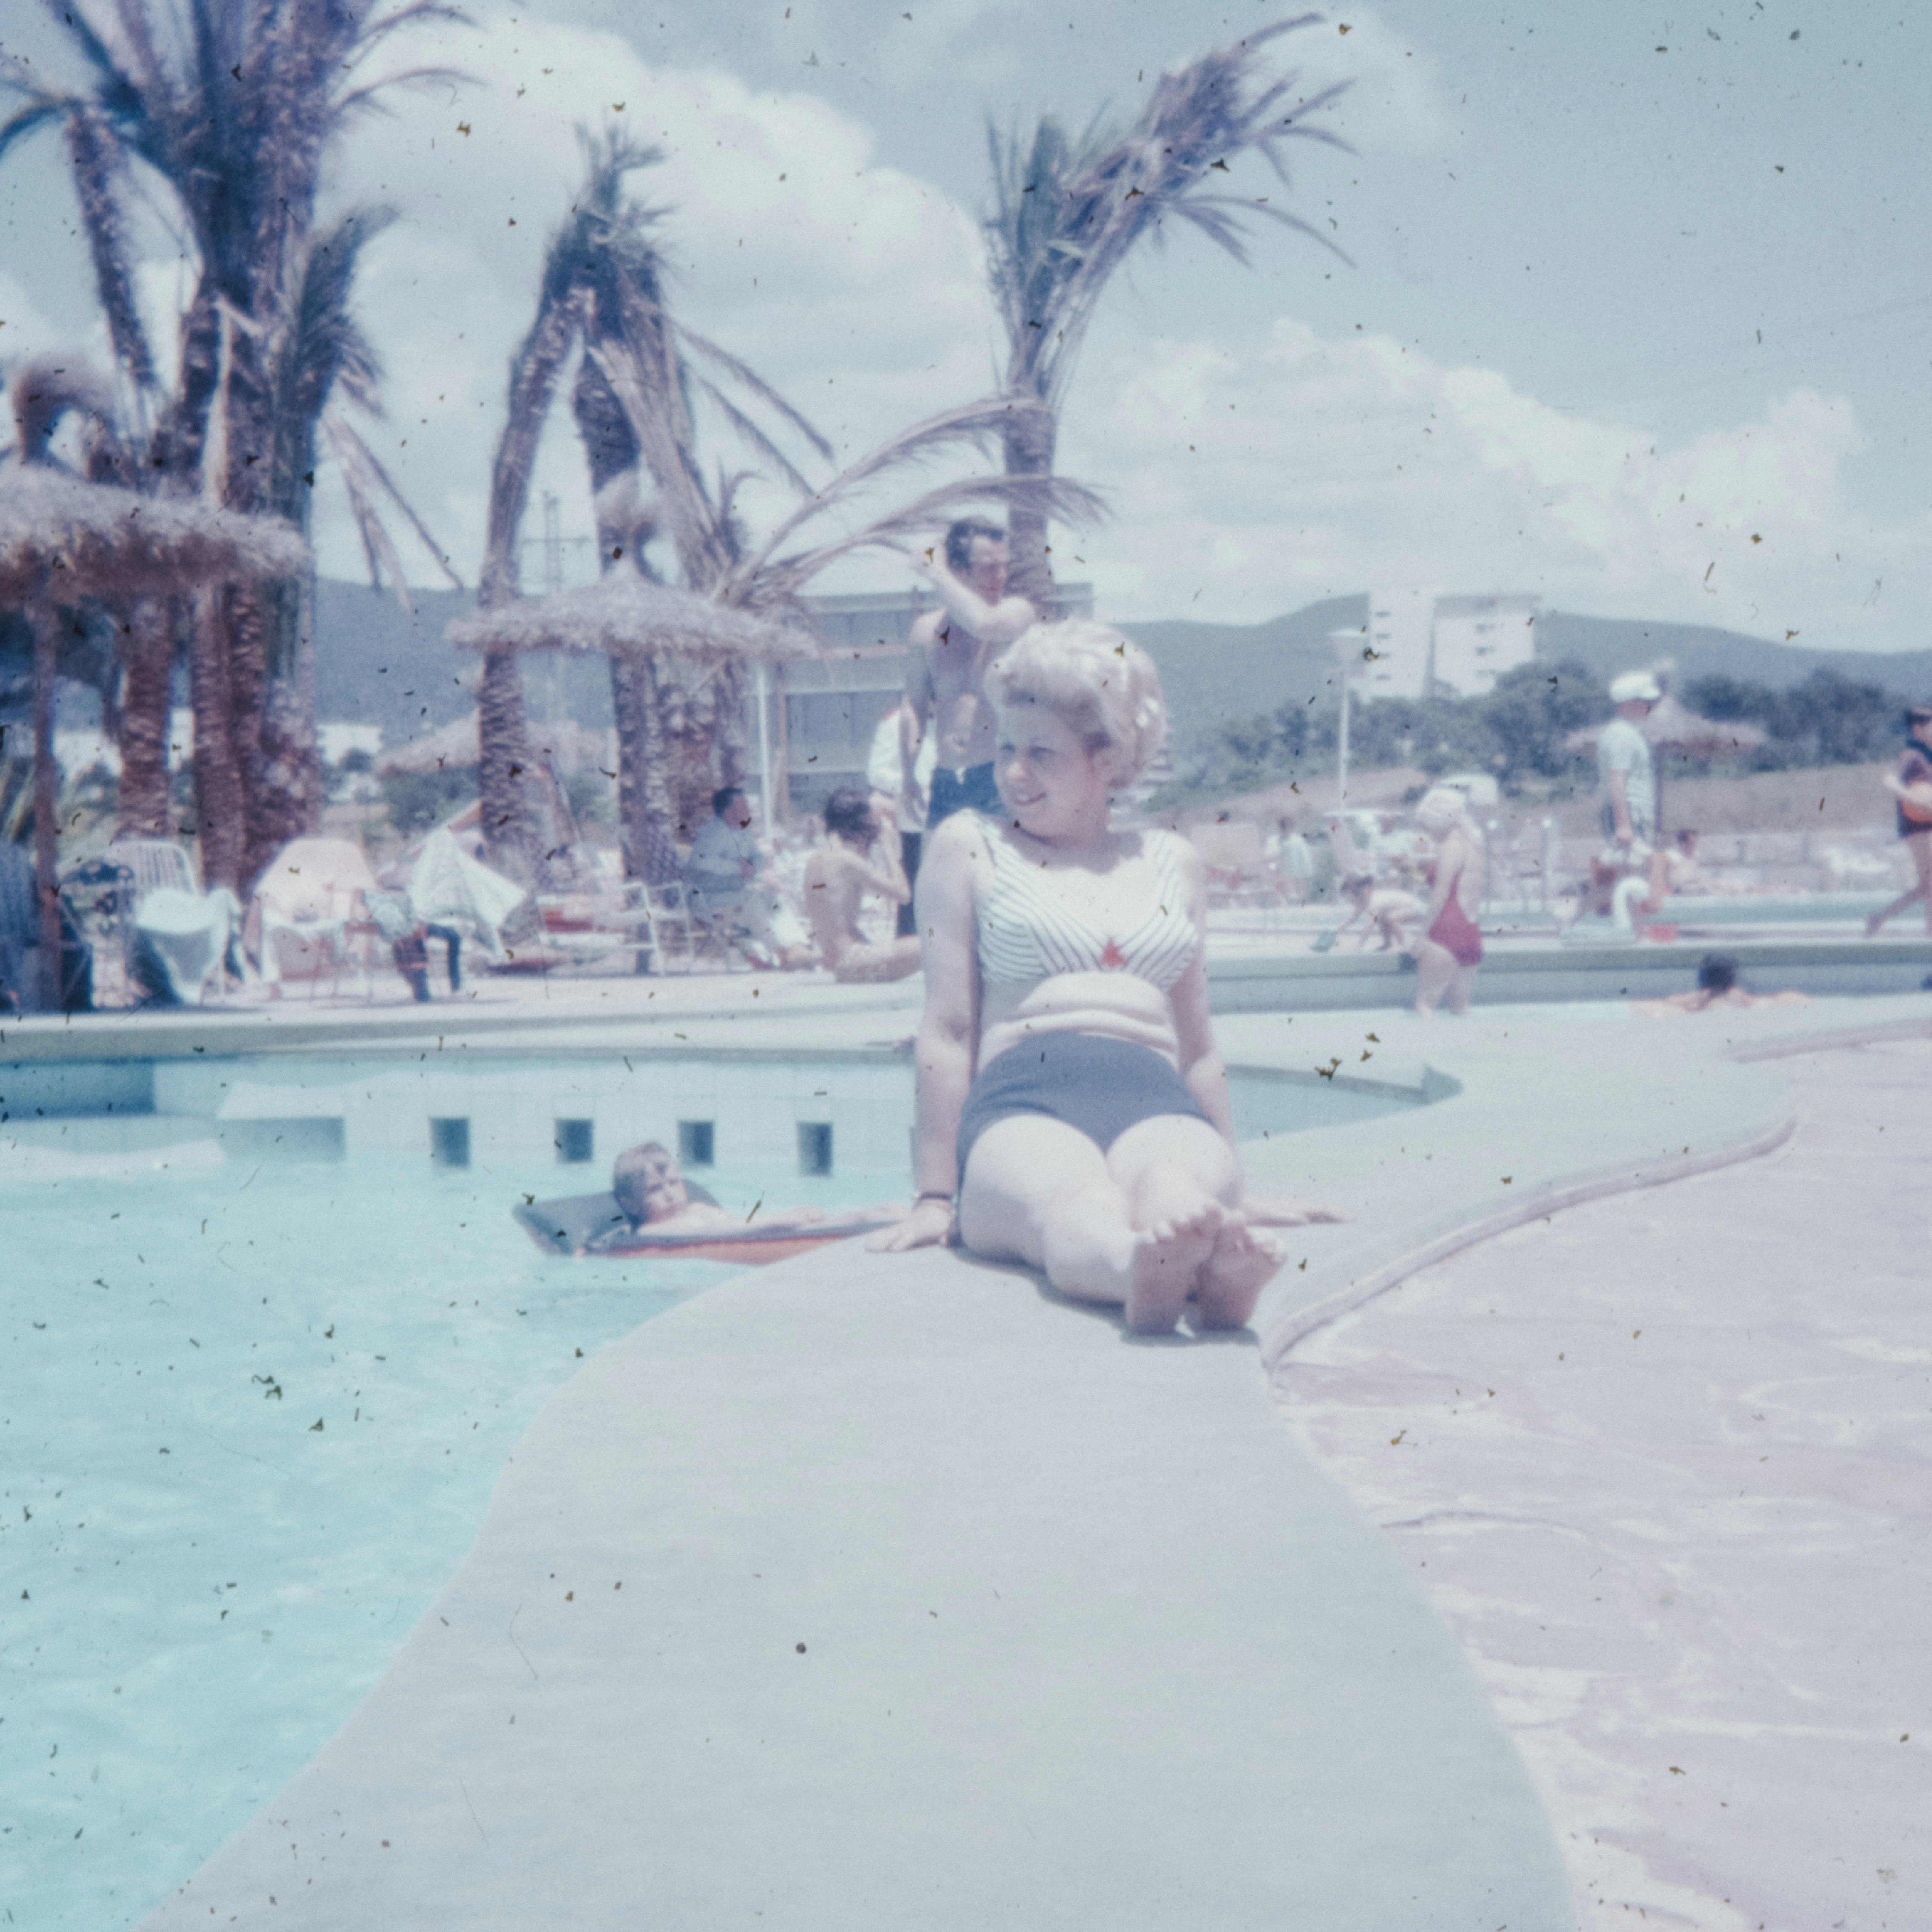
(63, 541)
(626, 615)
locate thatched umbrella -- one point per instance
(626, 615)
(63, 540)
(1672, 726)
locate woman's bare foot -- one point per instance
(1168, 1255)
(1242, 1262)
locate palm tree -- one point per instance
(1068, 212)
(643, 379)
(233, 104)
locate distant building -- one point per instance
(1400, 622)
(1420, 643)
(821, 713)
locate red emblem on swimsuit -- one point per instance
(1112, 959)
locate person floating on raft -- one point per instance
(652, 1209)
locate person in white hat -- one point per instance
(1627, 780)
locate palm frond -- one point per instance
(754, 437)
(372, 36)
(379, 547)
(1059, 497)
(1193, 209)
(366, 96)
(975, 425)
(740, 372)
(35, 114)
(341, 432)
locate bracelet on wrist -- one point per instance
(933, 1194)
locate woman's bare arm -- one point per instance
(943, 1050)
(1200, 1064)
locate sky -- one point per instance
(1633, 315)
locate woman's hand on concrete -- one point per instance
(928, 1225)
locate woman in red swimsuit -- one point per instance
(1447, 959)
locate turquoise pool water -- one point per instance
(197, 1581)
(253, 1408)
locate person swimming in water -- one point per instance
(1073, 1108)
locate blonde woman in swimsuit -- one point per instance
(1073, 1110)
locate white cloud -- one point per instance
(1246, 482)
(1395, 102)
(24, 330)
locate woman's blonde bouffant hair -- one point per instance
(1095, 681)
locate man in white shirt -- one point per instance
(1626, 781)
(729, 882)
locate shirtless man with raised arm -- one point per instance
(860, 856)
(945, 679)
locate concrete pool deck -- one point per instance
(1088, 1639)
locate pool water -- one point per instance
(245, 1439)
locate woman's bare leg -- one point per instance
(1462, 989)
(1039, 1191)
(1435, 970)
(1919, 845)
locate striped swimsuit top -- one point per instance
(1026, 934)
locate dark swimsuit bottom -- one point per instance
(1102, 1087)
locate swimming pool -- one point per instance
(257, 1400)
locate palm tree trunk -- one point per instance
(1029, 442)
(145, 807)
(46, 807)
(218, 809)
(504, 756)
(287, 788)
(643, 799)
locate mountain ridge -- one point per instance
(375, 665)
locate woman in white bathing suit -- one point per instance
(1070, 1093)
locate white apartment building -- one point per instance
(1476, 639)
(1400, 625)
(1424, 644)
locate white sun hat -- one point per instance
(1633, 685)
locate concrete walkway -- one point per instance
(944, 1605)
(1664, 1465)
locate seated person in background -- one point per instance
(860, 855)
(1680, 871)
(1385, 909)
(1716, 986)
(726, 874)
